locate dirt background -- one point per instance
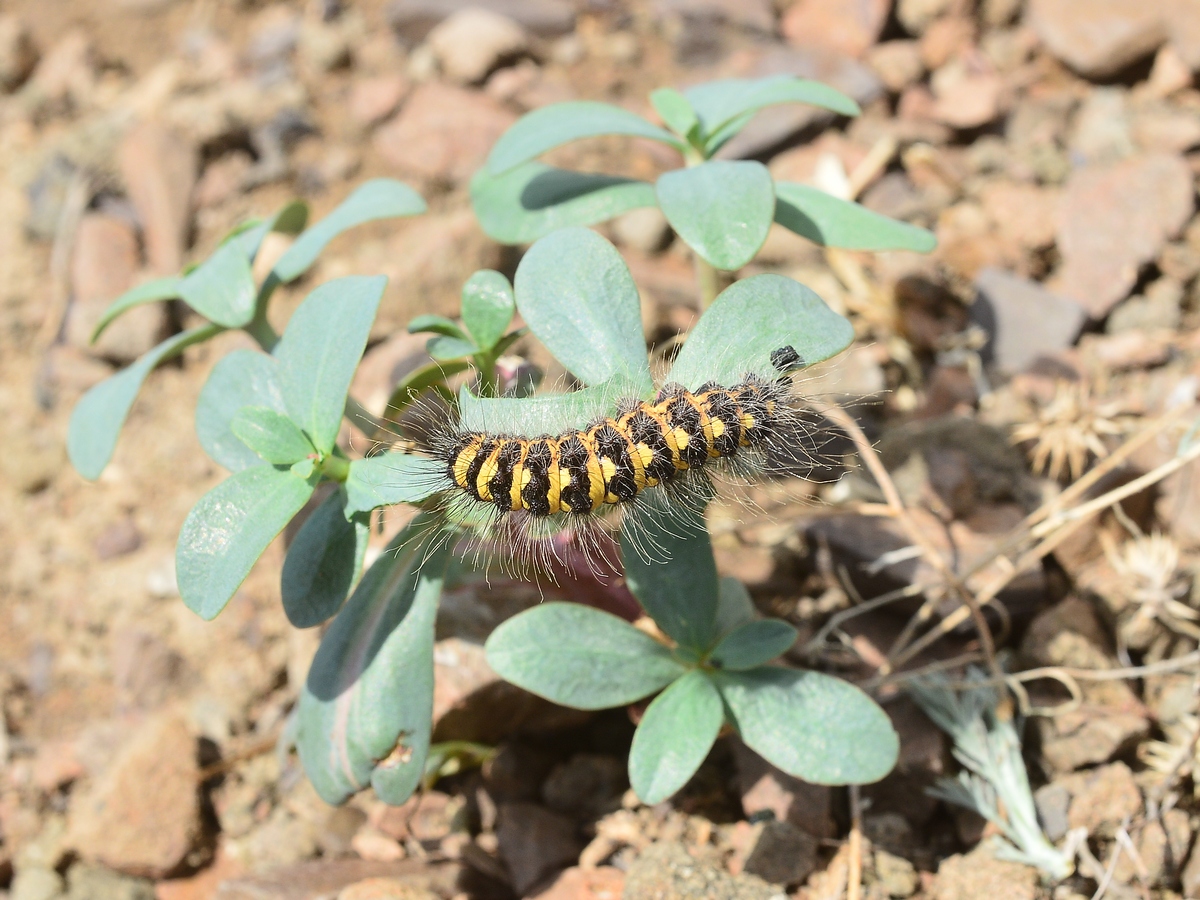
(1053, 145)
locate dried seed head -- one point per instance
(1069, 431)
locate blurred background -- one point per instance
(1051, 144)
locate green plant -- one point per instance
(722, 209)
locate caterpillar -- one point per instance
(580, 474)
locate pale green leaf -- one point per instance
(675, 734)
(721, 209)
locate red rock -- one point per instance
(203, 885)
(142, 816)
(848, 26)
(443, 133)
(159, 171)
(1025, 215)
(384, 889)
(764, 787)
(1099, 37)
(967, 95)
(57, 763)
(945, 39)
(897, 63)
(1116, 218)
(374, 99)
(600, 883)
(534, 842)
(323, 879)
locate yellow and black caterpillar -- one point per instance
(646, 444)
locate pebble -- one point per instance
(374, 98)
(325, 878)
(142, 816)
(1100, 37)
(1102, 131)
(384, 889)
(412, 20)
(576, 883)
(917, 15)
(849, 28)
(473, 41)
(1023, 320)
(18, 55)
(645, 230)
(443, 133)
(667, 871)
(1116, 218)
(777, 852)
(1102, 798)
(979, 874)
(1160, 307)
(534, 842)
(86, 882)
(897, 63)
(895, 874)
(965, 97)
(947, 39)
(764, 788)
(1161, 847)
(119, 539)
(696, 20)
(1024, 216)
(36, 884)
(159, 172)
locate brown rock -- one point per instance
(600, 883)
(979, 874)
(204, 884)
(945, 39)
(159, 171)
(1100, 37)
(1024, 215)
(385, 889)
(777, 852)
(56, 764)
(66, 73)
(1183, 30)
(223, 179)
(473, 41)
(118, 539)
(897, 63)
(1162, 846)
(918, 15)
(142, 816)
(104, 264)
(443, 133)
(322, 879)
(375, 98)
(1102, 798)
(1114, 219)
(765, 788)
(966, 96)
(1023, 320)
(534, 842)
(667, 871)
(848, 27)
(18, 56)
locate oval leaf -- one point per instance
(813, 726)
(832, 222)
(533, 200)
(271, 435)
(675, 734)
(718, 103)
(391, 478)
(579, 656)
(722, 210)
(751, 319)
(446, 348)
(429, 324)
(488, 307)
(544, 414)
(243, 378)
(97, 418)
(150, 292)
(323, 562)
(227, 531)
(734, 606)
(577, 296)
(320, 350)
(380, 198)
(289, 220)
(560, 123)
(675, 111)
(222, 288)
(679, 588)
(754, 644)
(366, 710)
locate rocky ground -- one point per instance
(1054, 147)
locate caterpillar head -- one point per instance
(786, 359)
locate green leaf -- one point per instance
(680, 593)
(722, 210)
(577, 296)
(227, 531)
(751, 319)
(320, 350)
(429, 376)
(97, 418)
(379, 198)
(718, 103)
(221, 288)
(753, 644)
(429, 324)
(674, 736)
(560, 123)
(579, 656)
(150, 292)
(390, 478)
(323, 562)
(813, 726)
(447, 348)
(243, 378)
(303, 468)
(534, 199)
(366, 710)
(289, 220)
(543, 414)
(271, 435)
(832, 222)
(675, 111)
(734, 606)
(488, 307)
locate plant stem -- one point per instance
(336, 468)
(707, 281)
(260, 329)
